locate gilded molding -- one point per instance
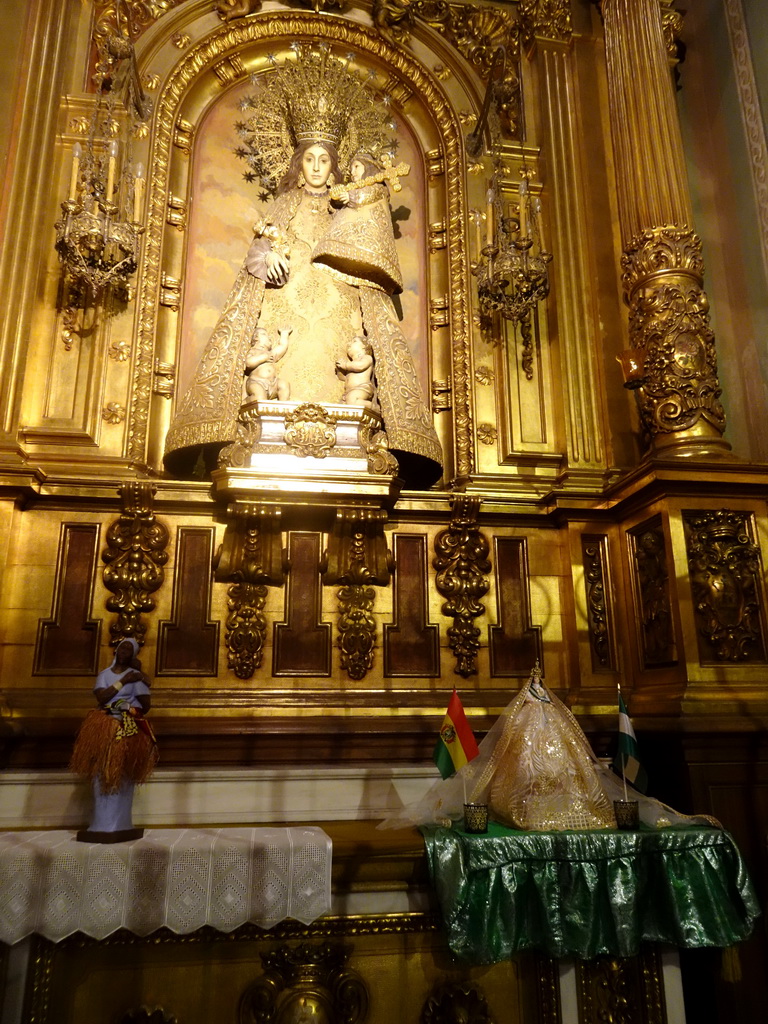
(675, 376)
(751, 114)
(173, 130)
(305, 982)
(135, 555)
(487, 433)
(724, 571)
(441, 395)
(461, 561)
(165, 379)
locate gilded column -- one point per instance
(672, 364)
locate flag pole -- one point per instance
(624, 753)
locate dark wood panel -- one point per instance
(411, 645)
(302, 643)
(188, 643)
(68, 642)
(515, 644)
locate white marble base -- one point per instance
(186, 797)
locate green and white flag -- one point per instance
(627, 763)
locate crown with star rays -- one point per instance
(311, 96)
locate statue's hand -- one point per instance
(341, 195)
(277, 268)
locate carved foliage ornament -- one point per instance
(677, 384)
(310, 430)
(724, 568)
(135, 556)
(653, 598)
(461, 561)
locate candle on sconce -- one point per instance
(138, 192)
(539, 222)
(77, 152)
(111, 165)
(489, 198)
(477, 217)
(523, 192)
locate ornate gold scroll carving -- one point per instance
(724, 567)
(251, 556)
(357, 557)
(310, 430)
(302, 983)
(135, 556)
(594, 553)
(653, 604)
(548, 19)
(461, 561)
(676, 376)
(456, 1004)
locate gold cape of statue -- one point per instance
(341, 268)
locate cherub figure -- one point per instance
(262, 380)
(357, 369)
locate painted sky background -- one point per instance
(224, 207)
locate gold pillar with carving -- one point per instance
(671, 364)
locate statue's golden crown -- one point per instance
(318, 119)
(311, 96)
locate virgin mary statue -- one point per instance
(300, 283)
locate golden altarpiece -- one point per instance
(306, 603)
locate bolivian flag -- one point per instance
(456, 744)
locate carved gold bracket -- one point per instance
(251, 556)
(358, 559)
(461, 561)
(303, 983)
(135, 556)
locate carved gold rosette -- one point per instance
(675, 363)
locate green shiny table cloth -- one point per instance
(587, 894)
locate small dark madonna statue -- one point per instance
(116, 748)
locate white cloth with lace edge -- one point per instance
(181, 879)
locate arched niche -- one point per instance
(189, 90)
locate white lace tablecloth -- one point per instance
(180, 879)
